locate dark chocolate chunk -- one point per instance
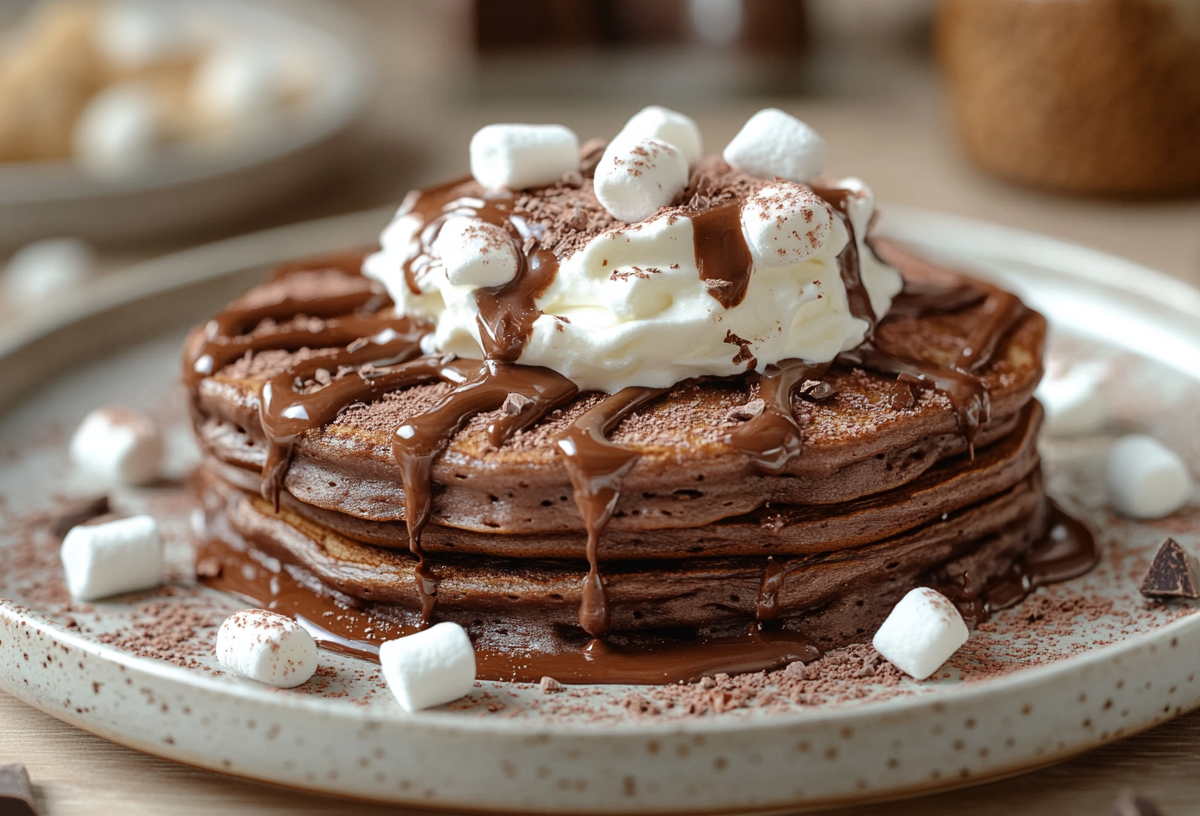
(744, 413)
(16, 794)
(815, 390)
(1129, 803)
(1174, 573)
(77, 512)
(515, 403)
(208, 568)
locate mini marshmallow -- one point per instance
(1145, 479)
(429, 668)
(117, 445)
(634, 179)
(773, 143)
(520, 156)
(267, 647)
(114, 557)
(239, 83)
(44, 267)
(667, 126)
(921, 633)
(785, 224)
(1073, 401)
(476, 253)
(117, 131)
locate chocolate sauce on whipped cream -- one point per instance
(722, 255)
(367, 352)
(849, 264)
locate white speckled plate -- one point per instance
(1077, 665)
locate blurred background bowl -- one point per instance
(185, 186)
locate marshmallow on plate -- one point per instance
(921, 633)
(1072, 400)
(1145, 479)
(520, 156)
(42, 267)
(118, 445)
(785, 223)
(667, 126)
(476, 253)
(118, 130)
(267, 647)
(774, 143)
(113, 557)
(429, 668)
(635, 178)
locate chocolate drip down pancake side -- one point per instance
(650, 535)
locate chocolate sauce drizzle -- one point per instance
(423, 437)
(773, 439)
(380, 353)
(226, 339)
(287, 409)
(596, 467)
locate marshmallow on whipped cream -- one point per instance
(631, 306)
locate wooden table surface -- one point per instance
(886, 123)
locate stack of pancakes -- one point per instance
(886, 494)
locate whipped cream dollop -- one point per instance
(647, 303)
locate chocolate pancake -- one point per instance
(803, 500)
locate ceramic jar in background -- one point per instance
(1094, 97)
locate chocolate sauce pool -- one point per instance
(374, 352)
(348, 626)
(518, 658)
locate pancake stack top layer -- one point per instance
(358, 422)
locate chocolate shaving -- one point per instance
(747, 412)
(578, 218)
(717, 284)
(589, 155)
(16, 794)
(868, 666)
(514, 404)
(796, 671)
(1173, 573)
(79, 512)
(550, 686)
(700, 185)
(1129, 803)
(744, 355)
(357, 345)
